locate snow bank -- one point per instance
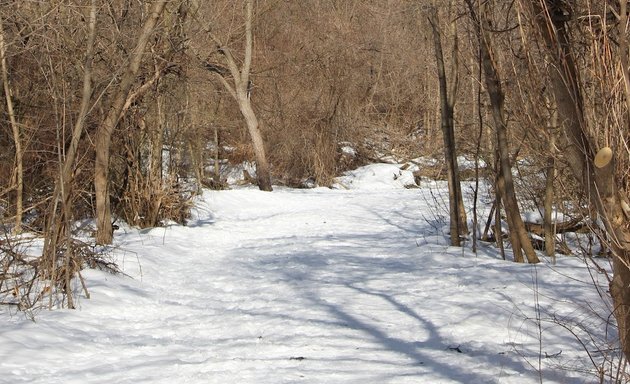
(315, 286)
(376, 177)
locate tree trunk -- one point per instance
(217, 168)
(616, 223)
(58, 227)
(241, 92)
(624, 48)
(104, 233)
(476, 90)
(495, 93)
(497, 226)
(18, 175)
(548, 224)
(509, 217)
(156, 187)
(457, 212)
(595, 173)
(463, 219)
(263, 174)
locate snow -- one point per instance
(376, 176)
(351, 285)
(537, 218)
(347, 149)
(234, 174)
(468, 163)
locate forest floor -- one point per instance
(352, 285)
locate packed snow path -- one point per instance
(297, 286)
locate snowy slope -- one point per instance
(311, 286)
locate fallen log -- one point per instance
(575, 225)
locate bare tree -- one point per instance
(448, 93)
(505, 184)
(18, 173)
(593, 169)
(550, 175)
(104, 135)
(240, 88)
(59, 226)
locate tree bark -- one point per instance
(498, 230)
(548, 224)
(457, 212)
(104, 233)
(263, 172)
(518, 234)
(616, 224)
(509, 217)
(58, 227)
(241, 92)
(18, 175)
(624, 48)
(463, 219)
(595, 173)
(156, 187)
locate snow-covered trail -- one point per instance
(303, 286)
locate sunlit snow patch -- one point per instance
(376, 176)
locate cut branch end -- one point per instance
(603, 157)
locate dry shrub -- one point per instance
(238, 153)
(29, 282)
(146, 204)
(302, 155)
(147, 197)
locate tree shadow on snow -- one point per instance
(311, 273)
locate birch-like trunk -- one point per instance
(240, 89)
(263, 172)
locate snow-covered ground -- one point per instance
(314, 286)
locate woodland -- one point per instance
(125, 110)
